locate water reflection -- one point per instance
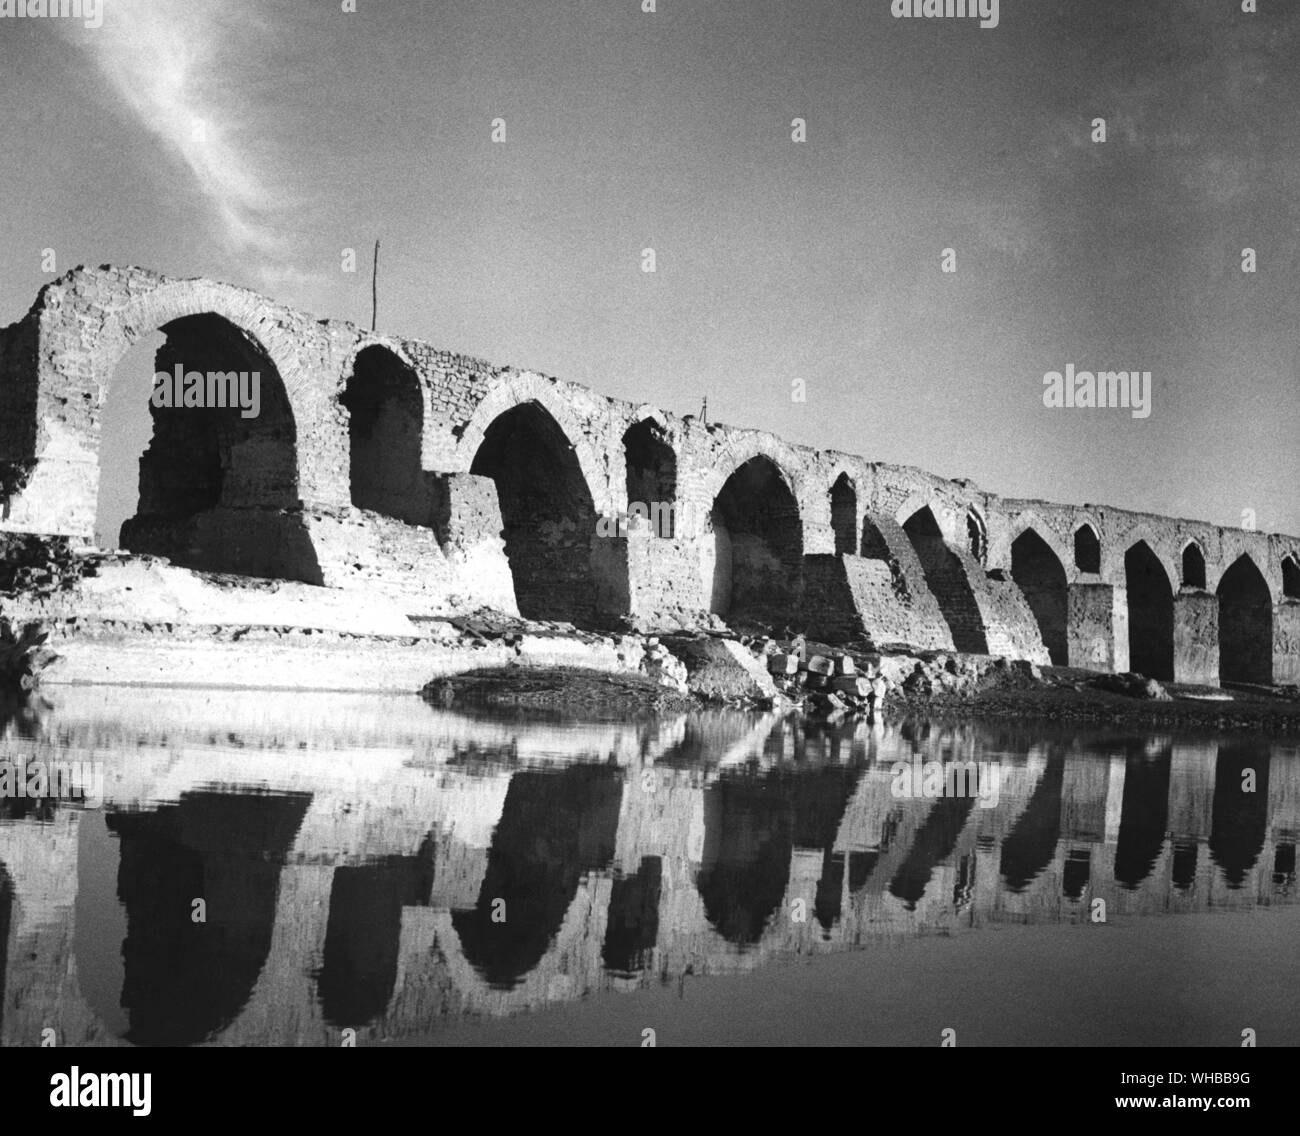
(375, 864)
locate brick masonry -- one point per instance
(384, 465)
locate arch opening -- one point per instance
(385, 427)
(1193, 566)
(651, 476)
(1245, 624)
(946, 579)
(1087, 549)
(554, 829)
(1039, 574)
(1290, 579)
(1150, 613)
(218, 481)
(547, 514)
(183, 983)
(977, 539)
(758, 544)
(844, 515)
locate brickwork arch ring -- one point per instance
(523, 389)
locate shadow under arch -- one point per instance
(758, 544)
(1150, 597)
(933, 843)
(651, 475)
(183, 982)
(1031, 844)
(947, 581)
(752, 825)
(363, 934)
(844, 515)
(1245, 624)
(1040, 575)
(385, 408)
(1239, 820)
(548, 517)
(1144, 814)
(218, 486)
(1193, 566)
(554, 828)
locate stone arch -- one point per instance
(1116, 546)
(754, 566)
(1039, 572)
(719, 467)
(1290, 577)
(169, 301)
(554, 831)
(651, 474)
(1192, 560)
(523, 388)
(227, 846)
(1087, 548)
(946, 578)
(1030, 519)
(915, 502)
(220, 489)
(844, 514)
(553, 536)
(1245, 623)
(384, 400)
(1150, 598)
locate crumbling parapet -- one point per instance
(344, 492)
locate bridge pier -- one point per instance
(1286, 642)
(1090, 626)
(1196, 637)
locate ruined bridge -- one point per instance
(386, 466)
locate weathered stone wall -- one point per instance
(450, 484)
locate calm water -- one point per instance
(276, 869)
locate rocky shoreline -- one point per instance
(834, 685)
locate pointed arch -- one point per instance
(385, 405)
(1193, 565)
(1038, 571)
(1150, 598)
(549, 521)
(844, 514)
(528, 388)
(754, 565)
(651, 468)
(1087, 548)
(1245, 623)
(1290, 577)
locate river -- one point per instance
(295, 869)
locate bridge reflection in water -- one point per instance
(373, 864)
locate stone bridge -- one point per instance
(448, 484)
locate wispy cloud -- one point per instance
(185, 69)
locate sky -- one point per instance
(255, 142)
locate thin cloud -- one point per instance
(183, 68)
